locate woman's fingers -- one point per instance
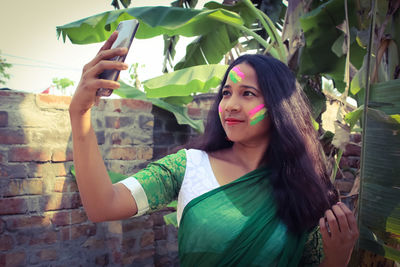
(341, 218)
(107, 45)
(105, 55)
(106, 65)
(323, 229)
(332, 223)
(351, 219)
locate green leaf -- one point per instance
(385, 96)
(171, 219)
(379, 208)
(352, 117)
(180, 113)
(173, 204)
(154, 21)
(178, 100)
(114, 177)
(185, 82)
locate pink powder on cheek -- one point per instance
(256, 109)
(219, 109)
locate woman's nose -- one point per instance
(232, 104)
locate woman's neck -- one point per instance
(250, 156)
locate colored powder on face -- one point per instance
(236, 75)
(257, 120)
(220, 111)
(256, 109)
(257, 114)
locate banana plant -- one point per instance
(218, 29)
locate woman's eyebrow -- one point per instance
(250, 87)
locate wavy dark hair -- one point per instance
(302, 188)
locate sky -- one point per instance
(29, 42)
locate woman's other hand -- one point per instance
(85, 94)
(339, 234)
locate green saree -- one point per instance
(237, 225)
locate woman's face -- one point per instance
(242, 110)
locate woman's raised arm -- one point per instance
(101, 200)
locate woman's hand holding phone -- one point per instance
(85, 94)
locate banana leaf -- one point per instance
(197, 79)
(216, 24)
(324, 41)
(180, 112)
(379, 207)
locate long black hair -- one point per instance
(302, 188)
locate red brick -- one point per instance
(356, 138)
(13, 258)
(145, 153)
(78, 216)
(17, 187)
(64, 218)
(139, 223)
(6, 242)
(128, 243)
(65, 233)
(26, 222)
(63, 185)
(3, 118)
(13, 171)
(22, 154)
(352, 150)
(143, 255)
(58, 201)
(59, 169)
(61, 218)
(38, 169)
(46, 237)
(94, 243)
(12, 94)
(102, 260)
(147, 239)
(135, 105)
(52, 101)
(47, 255)
(122, 153)
(12, 137)
(23, 237)
(13, 205)
(194, 112)
(86, 230)
(62, 155)
(60, 185)
(113, 122)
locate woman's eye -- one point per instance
(249, 93)
(225, 93)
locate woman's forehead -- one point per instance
(242, 72)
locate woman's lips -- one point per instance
(232, 121)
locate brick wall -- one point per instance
(42, 221)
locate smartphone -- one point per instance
(126, 31)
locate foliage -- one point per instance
(317, 38)
(62, 84)
(3, 70)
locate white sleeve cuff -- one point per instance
(138, 194)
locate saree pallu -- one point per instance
(237, 225)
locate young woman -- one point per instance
(251, 191)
